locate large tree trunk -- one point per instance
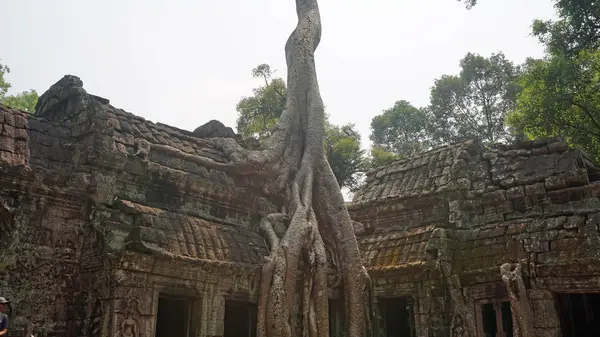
(293, 296)
(315, 209)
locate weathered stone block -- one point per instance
(536, 225)
(568, 233)
(586, 206)
(558, 147)
(567, 244)
(574, 221)
(544, 313)
(508, 182)
(555, 222)
(547, 235)
(516, 228)
(539, 151)
(515, 192)
(533, 245)
(577, 177)
(7, 144)
(555, 182)
(536, 189)
(559, 196)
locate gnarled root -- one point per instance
(522, 314)
(355, 280)
(295, 164)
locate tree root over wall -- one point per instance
(522, 315)
(293, 295)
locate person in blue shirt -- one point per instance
(3, 318)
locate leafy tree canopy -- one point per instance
(560, 98)
(4, 85)
(258, 114)
(560, 92)
(577, 28)
(342, 148)
(400, 131)
(474, 103)
(25, 100)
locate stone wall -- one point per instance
(90, 194)
(101, 212)
(446, 221)
(43, 213)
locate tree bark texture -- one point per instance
(313, 218)
(522, 314)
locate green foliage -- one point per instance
(400, 131)
(560, 98)
(577, 29)
(474, 103)
(560, 92)
(342, 148)
(25, 100)
(379, 157)
(258, 114)
(4, 85)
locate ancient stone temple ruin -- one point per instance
(110, 227)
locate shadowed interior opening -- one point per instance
(336, 318)
(579, 314)
(173, 316)
(396, 317)
(240, 319)
(495, 319)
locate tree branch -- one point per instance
(588, 113)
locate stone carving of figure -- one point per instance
(458, 329)
(129, 328)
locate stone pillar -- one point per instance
(546, 321)
(213, 313)
(422, 310)
(429, 312)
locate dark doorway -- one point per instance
(490, 324)
(173, 316)
(579, 315)
(494, 319)
(336, 318)
(240, 319)
(397, 317)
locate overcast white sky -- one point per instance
(184, 62)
